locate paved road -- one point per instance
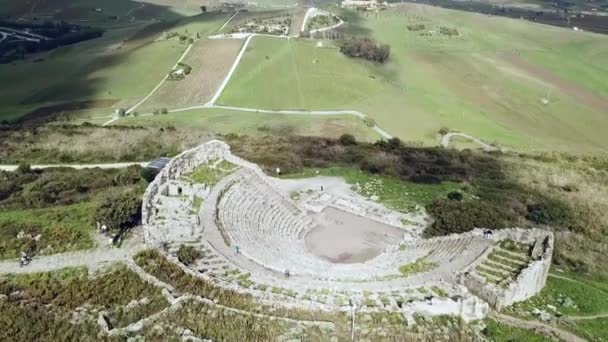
(77, 166)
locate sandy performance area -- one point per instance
(342, 237)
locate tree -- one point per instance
(24, 168)
(347, 139)
(164, 111)
(148, 174)
(119, 210)
(204, 9)
(455, 196)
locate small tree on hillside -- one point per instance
(119, 210)
(347, 139)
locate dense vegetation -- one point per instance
(54, 210)
(497, 190)
(57, 34)
(365, 48)
(39, 307)
(498, 202)
(90, 144)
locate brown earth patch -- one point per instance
(46, 113)
(210, 61)
(345, 238)
(296, 22)
(586, 96)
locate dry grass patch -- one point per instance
(582, 185)
(210, 60)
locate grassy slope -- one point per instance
(225, 121)
(498, 332)
(466, 83)
(96, 70)
(590, 297)
(308, 77)
(64, 228)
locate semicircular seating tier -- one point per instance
(269, 229)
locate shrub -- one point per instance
(455, 196)
(148, 174)
(416, 27)
(365, 48)
(446, 31)
(188, 254)
(444, 130)
(463, 216)
(24, 168)
(164, 111)
(549, 213)
(119, 210)
(122, 112)
(128, 176)
(347, 139)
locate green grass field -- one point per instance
(498, 332)
(221, 121)
(575, 297)
(489, 81)
(123, 65)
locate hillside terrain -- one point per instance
(440, 137)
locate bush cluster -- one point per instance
(497, 201)
(416, 27)
(59, 186)
(188, 254)
(119, 210)
(446, 31)
(366, 48)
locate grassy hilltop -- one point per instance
(512, 82)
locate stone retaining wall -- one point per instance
(530, 280)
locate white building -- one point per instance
(362, 3)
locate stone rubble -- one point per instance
(248, 209)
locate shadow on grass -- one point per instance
(45, 97)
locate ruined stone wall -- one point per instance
(529, 282)
(183, 163)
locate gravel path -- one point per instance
(227, 21)
(445, 140)
(92, 259)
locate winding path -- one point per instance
(445, 140)
(211, 104)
